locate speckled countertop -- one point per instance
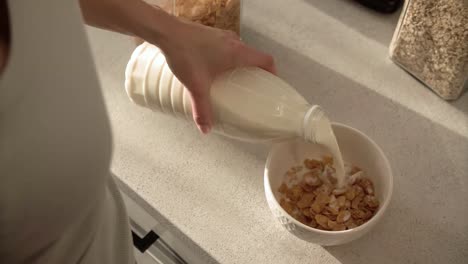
(210, 189)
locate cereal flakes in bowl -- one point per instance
(300, 187)
(309, 194)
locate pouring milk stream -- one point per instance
(249, 104)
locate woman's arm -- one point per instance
(195, 53)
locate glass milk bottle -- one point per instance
(249, 104)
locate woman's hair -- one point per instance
(5, 34)
(4, 22)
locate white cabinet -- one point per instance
(146, 236)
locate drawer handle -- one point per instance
(142, 244)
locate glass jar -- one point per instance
(431, 43)
(223, 14)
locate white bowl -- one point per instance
(357, 149)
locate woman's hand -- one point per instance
(198, 54)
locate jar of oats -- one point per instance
(223, 14)
(431, 43)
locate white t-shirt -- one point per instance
(58, 202)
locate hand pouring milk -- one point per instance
(249, 104)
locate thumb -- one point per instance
(201, 109)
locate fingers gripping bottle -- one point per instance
(248, 104)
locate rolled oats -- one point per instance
(431, 43)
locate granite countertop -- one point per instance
(209, 189)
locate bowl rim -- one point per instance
(367, 224)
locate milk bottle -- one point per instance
(249, 104)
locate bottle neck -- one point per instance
(311, 122)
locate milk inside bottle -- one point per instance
(248, 104)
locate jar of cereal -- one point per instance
(223, 14)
